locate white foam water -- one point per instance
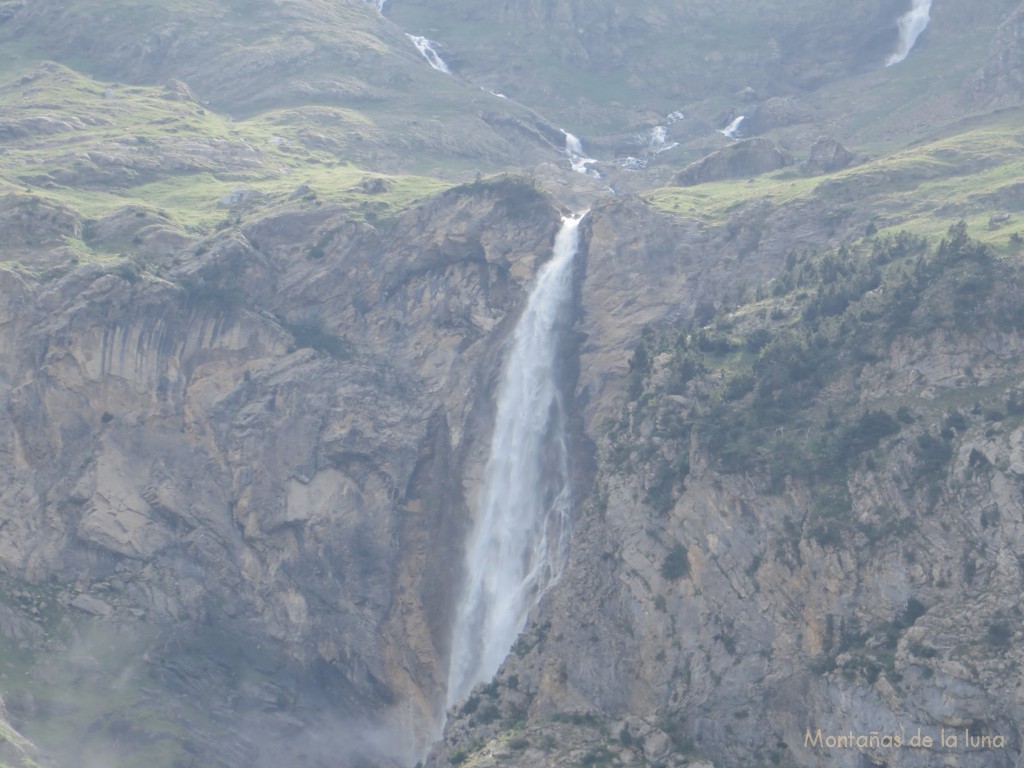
(730, 130)
(517, 545)
(426, 47)
(657, 142)
(577, 160)
(911, 24)
(573, 146)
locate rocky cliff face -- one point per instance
(223, 461)
(722, 609)
(741, 160)
(999, 81)
(257, 461)
(247, 386)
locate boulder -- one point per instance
(373, 186)
(91, 605)
(740, 160)
(240, 197)
(778, 112)
(1000, 82)
(827, 156)
(175, 90)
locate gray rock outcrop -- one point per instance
(223, 457)
(1000, 83)
(741, 160)
(827, 156)
(778, 112)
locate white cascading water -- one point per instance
(911, 24)
(426, 47)
(572, 144)
(518, 542)
(730, 130)
(657, 143)
(577, 160)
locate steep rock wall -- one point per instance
(270, 448)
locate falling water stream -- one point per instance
(911, 25)
(577, 160)
(428, 51)
(517, 545)
(730, 130)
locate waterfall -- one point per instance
(730, 130)
(911, 24)
(657, 142)
(426, 47)
(577, 160)
(573, 146)
(517, 545)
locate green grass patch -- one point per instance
(179, 158)
(971, 174)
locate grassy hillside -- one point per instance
(132, 129)
(97, 146)
(973, 173)
(785, 361)
(174, 105)
(601, 68)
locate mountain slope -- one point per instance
(607, 69)
(802, 518)
(259, 270)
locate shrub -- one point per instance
(758, 340)
(676, 564)
(311, 334)
(933, 454)
(597, 756)
(659, 492)
(999, 634)
(912, 611)
(738, 386)
(922, 651)
(488, 714)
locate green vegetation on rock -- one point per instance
(774, 386)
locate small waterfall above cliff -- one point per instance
(517, 545)
(426, 47)
(657, 142)
(573, 146)
(730, 130)
(577, 160)
(911, 24)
